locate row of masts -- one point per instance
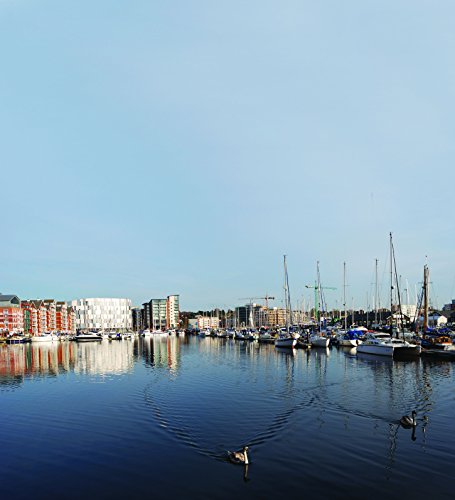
(394, 287)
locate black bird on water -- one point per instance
(409, 421)
(239, 457)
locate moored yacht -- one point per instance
(374, 345)
(45, 337)
(87, 337)
(319, 340)
(285, 340)
(351, 338)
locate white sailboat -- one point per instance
(390, 346)
(285, 339)
(318, 338)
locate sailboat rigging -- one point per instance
(285, 339)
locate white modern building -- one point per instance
(173, 311)
(103, 314)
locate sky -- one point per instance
(151, 147)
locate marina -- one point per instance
(121, 416)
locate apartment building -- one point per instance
(102, 314)
(161, 314)
(51, 314)
(173, 311)
(61, 316)
(11, 316)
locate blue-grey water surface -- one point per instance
(154, 418)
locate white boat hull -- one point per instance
(319, 341)
(379, 350)
(45, 338)
(286, 342)
(87, 338)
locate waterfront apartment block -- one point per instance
(51, 314)
(47, 316)
(34, 317)
(161, 314)
(255, 315)
(136, 313)
(155, 314)
(103, 314)
(276, 317)
(173, 311)
(11, 317)
(204, 322)
(61, 316)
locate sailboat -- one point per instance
(391, 346)
(432, 342)
(285, 339)
(318, 338)
(347, 338)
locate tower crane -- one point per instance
(318, 297)
(266, 298)
(317, 294)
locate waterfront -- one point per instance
(155, 416)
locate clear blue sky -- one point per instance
(156, 147)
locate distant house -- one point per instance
(435, 318)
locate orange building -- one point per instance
(11, 316)
(61, 316)
(51, 314)
(30, 313)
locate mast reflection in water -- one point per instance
(113, 419)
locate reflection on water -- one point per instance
(180, 403)
(18, 361)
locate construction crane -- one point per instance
(318, 297)
(266, 298)
(317, 294)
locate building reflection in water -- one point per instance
(20, 361)
(160, 352)
(28, 360)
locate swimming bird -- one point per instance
(239, 457)
(407, 421)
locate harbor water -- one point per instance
(154, 418)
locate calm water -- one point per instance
(154, 418)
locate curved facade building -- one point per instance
(103, 314)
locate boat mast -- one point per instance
(318, 294)
(376, 293)
(391, 285)
(394, 263)
(425, 298)
(286, 293)
(344, 297)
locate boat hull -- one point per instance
(347, 342)
(378, 350)
(287, 342)
(88, 338)
(409, 350)
(320, 342)
(45, 338)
